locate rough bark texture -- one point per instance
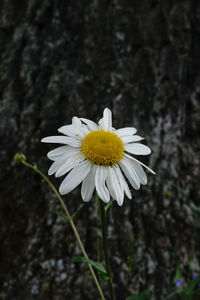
(65, 58)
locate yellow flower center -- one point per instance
(103, 147)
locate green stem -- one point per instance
(70, 222)
(105, 249)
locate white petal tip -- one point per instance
(107, 110)
(61, 192)
(105, 200)
(149, 151)
(129, 195)
(43, 140)
(151, 171)
(86, 200)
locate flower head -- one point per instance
(19, 157)
(194, 277)
(179, 283)
(98, 155)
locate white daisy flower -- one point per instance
(98, 156)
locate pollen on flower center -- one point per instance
(103, 147)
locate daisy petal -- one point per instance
(62, 159)
(91, 125)
(139, 171)
(55, 139)
(137, 149)
(69, 152)
(114, 186)
(88, 185)
(69, 164)
(123, 181)
(58, 152)
(76, 122)
(107, 119)
(101, 124)
(62, 140)
(53, 168)
(72, 131)
(74, 178)
(125, 131)
(131, 138)
(130, 173)
(100, 178)
(132, 158)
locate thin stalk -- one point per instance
(70, 222)
(105, 249)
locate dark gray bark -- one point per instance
(66, 58)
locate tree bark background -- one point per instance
(65, 58)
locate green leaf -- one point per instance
(108, 206)
(179, 291)
(141, 296)
(59, 213)
(103, 277)
(190, 288)
(78, 209)
(95, 264)
(178, 273)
